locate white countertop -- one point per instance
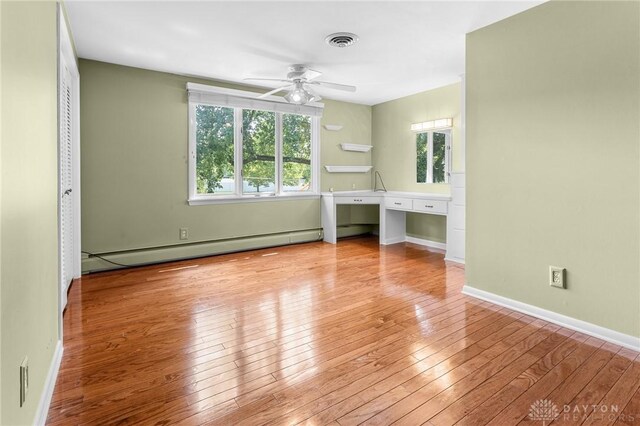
(400, 194)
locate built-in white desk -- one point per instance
(393, 209)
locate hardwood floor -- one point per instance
(322, 334)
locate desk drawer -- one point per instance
(430, 206)
(357, 200)
(398, 203)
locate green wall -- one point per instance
(553, 145)
(134, 134)
(394, 151)
(29, 194)
(356, 122)
(134, 164)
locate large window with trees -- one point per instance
(241, 153)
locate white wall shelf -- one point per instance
(355, 147)
(333, 127)
(348, 169)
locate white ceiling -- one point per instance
(404, 47)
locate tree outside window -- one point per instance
(215, 151)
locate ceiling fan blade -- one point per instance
(274, 91)
(310, 74)
(335, 86)
(267, 79)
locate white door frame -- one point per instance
(66, 56)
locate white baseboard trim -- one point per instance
(49, 386)
(588, 328)
(426, 243)
(390, 241)
(454, 259)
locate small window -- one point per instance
(432, 156)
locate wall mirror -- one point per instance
(433, 156)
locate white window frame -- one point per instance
(447, 155)
(239, 100)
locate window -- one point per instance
(296, 153)
(215, 150)
(258, 151)
(248, 149)
(432, 156)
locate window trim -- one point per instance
(238, 197)
(221, 96)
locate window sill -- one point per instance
(234, 199)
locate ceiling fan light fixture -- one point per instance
(300, 81)
(299, 95)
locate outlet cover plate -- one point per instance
(184, 233)
(557, 277)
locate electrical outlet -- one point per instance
(353, 186)
(557, 277)
(184, 233)
(24, 380)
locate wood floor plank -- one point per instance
(357, 332)
(493, 375)
(617, 397)
(412, 393)
(566, 390)
(497, 329)
(631, 412)
(335, 404)
(339, 371)
(366, 376)
(530, 389)
(589, 397)
(467, 411)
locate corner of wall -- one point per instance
(394, 152)
(537, 108)
(28, 225)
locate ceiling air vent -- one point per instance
(341, 39)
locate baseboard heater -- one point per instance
(194, 250)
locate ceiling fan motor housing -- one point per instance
(296, 72)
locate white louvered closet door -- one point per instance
(66, 180)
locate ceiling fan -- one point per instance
(299, 79)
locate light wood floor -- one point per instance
(323, 334)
